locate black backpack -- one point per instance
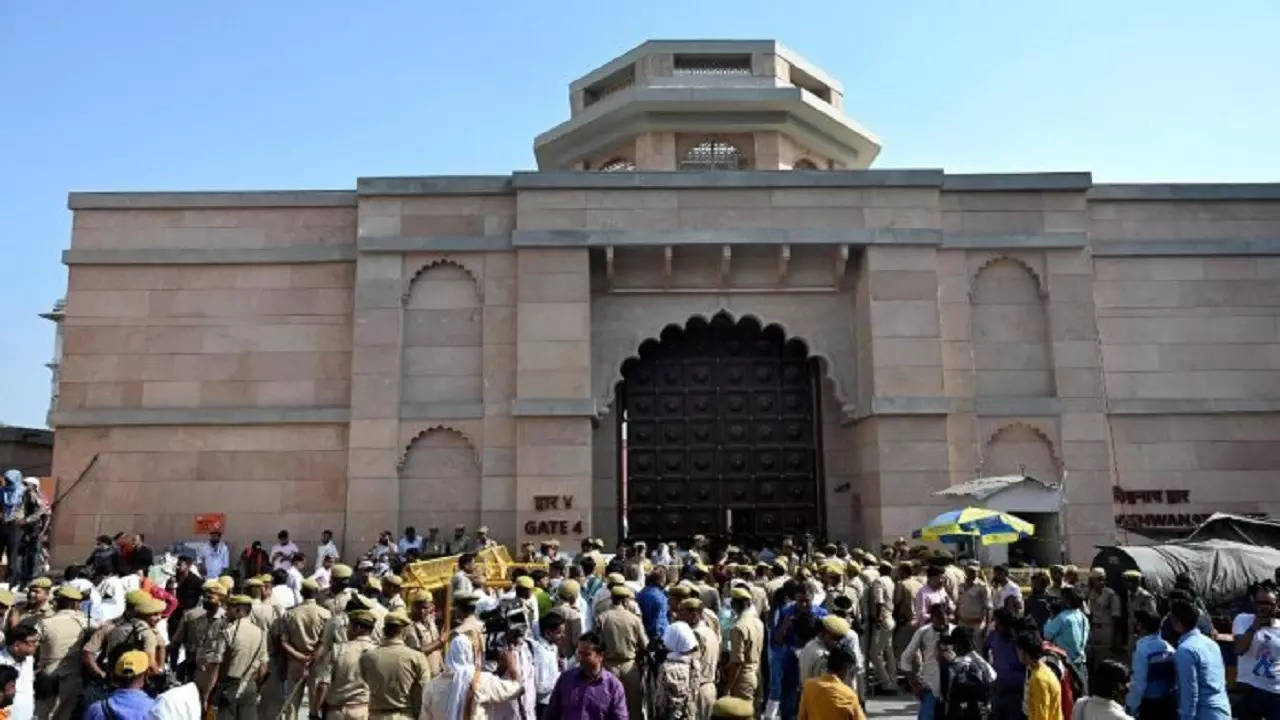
(968, 694)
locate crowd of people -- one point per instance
(707, 630)
(24, 527)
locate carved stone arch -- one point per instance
(460, 264)
(835, 362)
(1041, 287)
(404, 453)
(1025, 427)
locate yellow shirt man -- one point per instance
(826, 697)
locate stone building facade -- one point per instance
(703, 311)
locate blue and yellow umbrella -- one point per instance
(992, 527)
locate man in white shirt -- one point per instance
(411, 540)
(1002, 587)
(294, 573)
(327, 548)
(920, 659)
(19, 652)
(1257, 640)
(282, 552)
(547, 664)
(214, 556)
(282, 596)
(324, 574)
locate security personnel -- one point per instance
(622, 633)
(339, 591)
(604, 601)
(394, 672)
(746, 643)
(433, 546)
(302, 631)
(341, 691)
(136, 627)
(6, 608)
(469, 626)
(708, 656)
(266, 615)
(1105, 639)
(460, 543)
(1139, 598)
(62, 637)
(567, 606)
(707, 592)
(38, 607)
(238, 663)
(205, 630)
(422, 634)
(391, 597)
(733, 708)
(193, 628)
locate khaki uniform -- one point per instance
(62, 638)
(759, 599)
(302, 629)
(266, 616)
(396, 675)
(421, 634)
(337, 603)
(812, 661)
(676, 695)
(952, 579)
(33, 617)
(904, 594)
(348, 695)
(709, 595)
(972, 603)
(708, 658)
(135, 630)
(623, 636)
(881, 644)
(434, 547)
(572, 628)
(746, 643)
(240, 648)
(1104, 614)
(193, 637)
(395, 602)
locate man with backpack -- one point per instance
(128, 701)
(967, 678)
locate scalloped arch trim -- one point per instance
(404, 454)
(1035, 276)
(1036, 430)
(824, 362)
(438, 262)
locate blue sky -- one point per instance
(143, 96)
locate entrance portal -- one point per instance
(719, 433)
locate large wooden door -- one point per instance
(721, 433)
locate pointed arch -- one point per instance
(999, 258)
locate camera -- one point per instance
(500, 622)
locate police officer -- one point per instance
(708, 654)
(137, 627)
(339, 590)
(746, 642)
(433, 546)
(567, 605)
(422, 634)
(62, 637)
(341, 691)
(391, 597)
(238, 663)
(622, 633)
(192, 629)
(38, 607)
(300, 640)
(394, 672)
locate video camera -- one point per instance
(500, 621)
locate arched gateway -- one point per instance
(719, 433)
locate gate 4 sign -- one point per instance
(553, 527)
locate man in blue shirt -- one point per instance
(797, 624)
(128, 701)
(1202, 688)
(1153, 686)
(653, 604)
(1069, 630)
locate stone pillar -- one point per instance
(656, 151)
(1086, 441)
(497, 462)
(553, 407)
(768, 151)
(958, 379)
(373, 493)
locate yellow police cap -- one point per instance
(525, 582)
(1099, 573)
(679, 592)
(393, 580)
(310, 584)
(252, 582)
(42, 583)
(7, 598)
(362, 616)
(733, 708)
(740, 593)
(373, 583)
(149, 606)
(569, 589)
(615, 578)
(240, 600)
(70, 593)
(228, 582)
(837, 626)
(692, 603)
(396, 618)
(622, 591)
(1133, 574)
(133, 598)
(341, 572)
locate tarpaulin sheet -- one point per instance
(1252, 531)
(1220, 570)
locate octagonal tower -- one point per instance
(706, 105)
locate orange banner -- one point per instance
(210, 522)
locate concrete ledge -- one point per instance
(441, 411)
(746, 236)
(891, 405)
(213, 199)
(1017, 182)
(1186, 191)
(200, 416)
(1028, 406)
(435, 185)
(1038, 240)
(1176, 248)
(211, 256)
(434, 244)
(565, 180)
(554, 407)
(1193, 406)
